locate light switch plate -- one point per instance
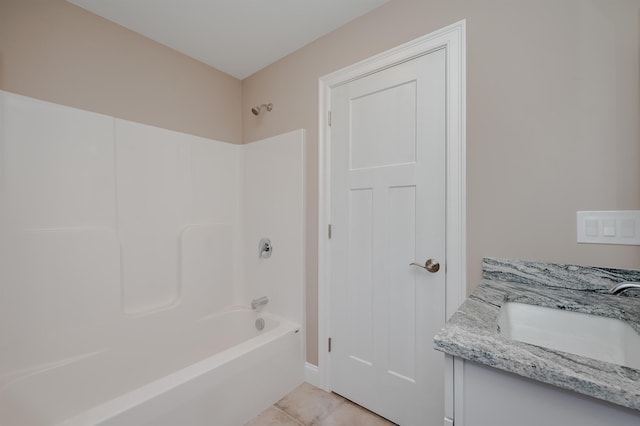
(609, 227)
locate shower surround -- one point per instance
(116, 234)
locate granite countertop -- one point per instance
(472, 332)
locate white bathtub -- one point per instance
(217, 371)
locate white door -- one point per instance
(388, 137)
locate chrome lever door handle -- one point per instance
(430, 265)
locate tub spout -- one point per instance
(259, 302)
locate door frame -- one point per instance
(453, 39)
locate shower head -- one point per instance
(256, 109)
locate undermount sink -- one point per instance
(592, 336)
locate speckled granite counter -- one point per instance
(472, 332)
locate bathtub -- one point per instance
(219, 370)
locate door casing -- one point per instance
(453, 39)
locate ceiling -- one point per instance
(238, 37)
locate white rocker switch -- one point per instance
(609, 227)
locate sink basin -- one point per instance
(592, 336)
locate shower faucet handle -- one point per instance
(265, 248)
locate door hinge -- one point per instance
(329, 344)
(329, 118)
(329, 231)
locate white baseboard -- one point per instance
(311, 374)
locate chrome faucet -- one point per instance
(620, 287)
(259, 302)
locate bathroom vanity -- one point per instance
(544, 344)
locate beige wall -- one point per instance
(53, 50)
(552, 119)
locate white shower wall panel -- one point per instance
(214, 190)
(168, 181)
(59, 254)
(102, 218)
(207, 273)
(273, 207)
(57, 166)
(59, 290)
(151, 171)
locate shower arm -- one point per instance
(257, 109)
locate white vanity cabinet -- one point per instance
(478, 395)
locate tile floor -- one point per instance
(308, 405)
